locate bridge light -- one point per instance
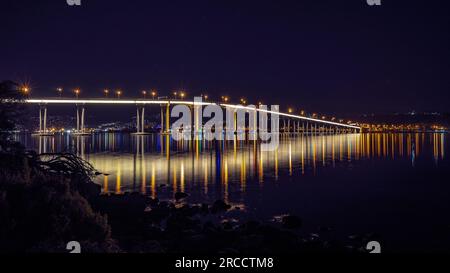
(77, 92)
(225, 98)
(106, 92)
(302, 112)
(182, 94)
(205, 97)
(290, 110)
(144, 93)
(59, 90)
(153, 94)
(25, 89)
(119, 93)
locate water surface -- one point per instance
(396, 185)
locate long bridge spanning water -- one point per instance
(291, 123)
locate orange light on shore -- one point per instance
(25, 89)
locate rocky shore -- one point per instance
(141, 224)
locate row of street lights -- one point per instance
(145, 93)
(177, 95)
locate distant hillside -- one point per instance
(442, 119)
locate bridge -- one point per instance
(292, 123)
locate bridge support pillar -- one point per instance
(168, 118)
(197, 130)
(165, 121)
(162, 119)
(140, 120)
(43, 120)
(80, 120)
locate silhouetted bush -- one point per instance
(43, 198)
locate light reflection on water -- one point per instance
(155, 164)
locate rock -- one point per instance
(153, 202)
(250, 226)
(204, 208)
(227, 225)
(355, 237)
(292, 222)
(325, 229)
(219, 206)
(180, 195)
(209, 228)
(177, 223)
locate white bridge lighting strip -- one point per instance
(145, 102)
(291, 116)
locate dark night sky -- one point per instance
(334, 57)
